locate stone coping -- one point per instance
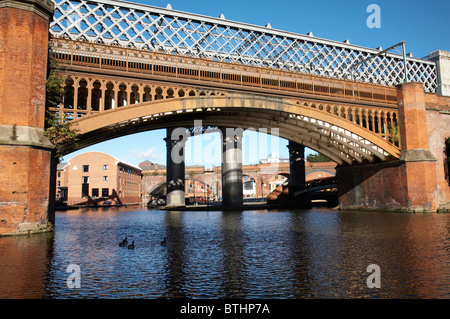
(43, 8)
(12, 135)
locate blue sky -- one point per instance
(423, 25)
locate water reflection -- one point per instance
(25, 265)
(175, 262)
(232, 247)
(250, 254)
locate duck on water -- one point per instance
(124, 242)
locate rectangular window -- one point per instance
(105, 167)
(85, 180)
(84, 190)
(85, 168)
(105, 192)
(59, 174)
(59, 183)
(105, 178)
(95, 192)
(63, 194)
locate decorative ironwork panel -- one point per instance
(170, 31)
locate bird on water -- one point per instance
(124, 242)
(131, 246)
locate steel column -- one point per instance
(175, 171)
(232, 191)
(297, 176)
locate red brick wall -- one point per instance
(438, 131)
(24, 191)
(23, 67)
(372, 186)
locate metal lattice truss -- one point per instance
(151, 28)
(342, 144)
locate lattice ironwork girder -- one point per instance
(147, 27)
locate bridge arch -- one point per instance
(342, 140)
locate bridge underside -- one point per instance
(341, 140)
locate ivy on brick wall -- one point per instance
(59, 131)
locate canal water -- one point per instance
(318, 253)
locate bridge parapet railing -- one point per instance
(95, 55)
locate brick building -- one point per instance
(95, 178)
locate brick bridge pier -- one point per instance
(419, 180)
(25, 153)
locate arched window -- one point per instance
(82, 94)
(96, 96)
(68, 94)
(109, 96)
(122, 98)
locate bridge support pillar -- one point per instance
(175, 171)
(419, 162)
(232, 191)
(297, 174)
(25, 153)
(409, 184)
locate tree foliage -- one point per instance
(315, 158)
(394, 133)
(58, 130)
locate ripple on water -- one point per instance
(251, 254)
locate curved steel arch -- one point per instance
(341, 140)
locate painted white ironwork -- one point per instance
(166, 30)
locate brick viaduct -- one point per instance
(261, 173)
(417, 181)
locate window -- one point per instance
(59, 174)
(105, 167)
(95, 192)
(105, 192)
(84, 190)
(105, 178)
(85, 180)
(59, 183)
(63, 193)
(85, 168)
